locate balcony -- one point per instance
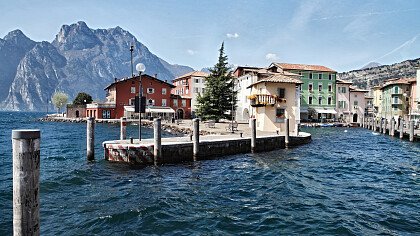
(396, 102)
(396, 92)
(261, 100)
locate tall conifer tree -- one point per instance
(216, 101)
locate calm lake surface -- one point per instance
(346, 183)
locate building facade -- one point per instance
(396, 98)
(318, 91)
(189, 86)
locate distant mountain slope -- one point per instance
(370, 65)
(78, 59)
(367, 78)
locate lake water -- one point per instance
(347, 183)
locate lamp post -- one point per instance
(131, 53)
(140, 68)
(233, 104)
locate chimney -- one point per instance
(115, 79)
(156, 76)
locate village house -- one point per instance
(274, 97)
(351, 102)
(120, 100)
(396, 97)
(190, 86)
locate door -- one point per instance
(355, 118)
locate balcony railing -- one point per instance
(396, 102)
(260, 100)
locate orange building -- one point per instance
(120, 99)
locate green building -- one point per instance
(317, 93)
(396, 98)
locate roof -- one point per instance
(279, 78)
(356, 89)
(288, 66)
(340, 81)
(137, 78)
(193, 73)
(398, 81)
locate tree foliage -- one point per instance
(219, 96)
(82, 99)
(59, 99)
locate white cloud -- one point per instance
(304, 14)
(191, 52)
(271, 57)
(232, 36)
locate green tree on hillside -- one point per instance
(59, 99)
(216, 101)
(82, 99)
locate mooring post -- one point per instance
(381, 125)
(123, 128)
(196, 138)
(411, 132)
(374, 125)
(286, 136)
(402, 128)
(363, 122)
(385, 126)
(26, 163)
(253, 134)
(392, 128)
(90, 138)
(157, 149)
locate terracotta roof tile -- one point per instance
(288, 66)
(193, 73)
(279, 78)
(340, 81)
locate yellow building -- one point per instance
(377, 101)
(275, 98)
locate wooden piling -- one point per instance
(123, 128)
(374, 125)
(253, 134)
(385, 126)
(157, 148)
(196, 138)
(392, 128)
(26, 164)
(402, 128)
(90, 138)
(411, 131)
(286, 136)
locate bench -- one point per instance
(211, 124)
(232, 127)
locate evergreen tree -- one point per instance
(82, 99)
(219, 96)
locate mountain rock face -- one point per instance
(79, 59)
(370, 65)
(367, 78)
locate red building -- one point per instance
(120, 99)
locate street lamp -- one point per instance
(233, 103)
(140, 68)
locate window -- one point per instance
(281, 92)
(133, 89)
(163, 91)
(310, 75)
(197, 81)
(150, 90)
(310, 100)
(329, 88)
(320, 76)
(280, 115)
(355, 103)
(196, 90)
(319, 87)
(300, 88)
(330, 76)
(150, 102)
(396, 89)
(341, 104)
(395, 99)
(320, 100)
(175, 102)
(329, 100)
(164, 102)
(184, 102)
(342, 89)
(310, 87)
(203, 89)
(106, 114)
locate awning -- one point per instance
(325, 111)
(129, 108)
(159, 110)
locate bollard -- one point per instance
(196, 138)
(26, 163)
(392, 128)
(253, 134)
(411, 132)
(385, 125)
(157, 148)
(123, 128)
(286, 136)
(90, 138)
(402, 129)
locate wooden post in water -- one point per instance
(90, 138)
(380, 125)
(26, 163)
(374, 125)
(196, 139)
(286, 136)
(123, 128)
(385, 126)
(392, 128)
(411, 131)
(402, 128)
(157, 148)
(253, 134)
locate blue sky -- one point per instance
(342, 35)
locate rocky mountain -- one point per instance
(367, 78)
(78, 59)
(370, 65)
